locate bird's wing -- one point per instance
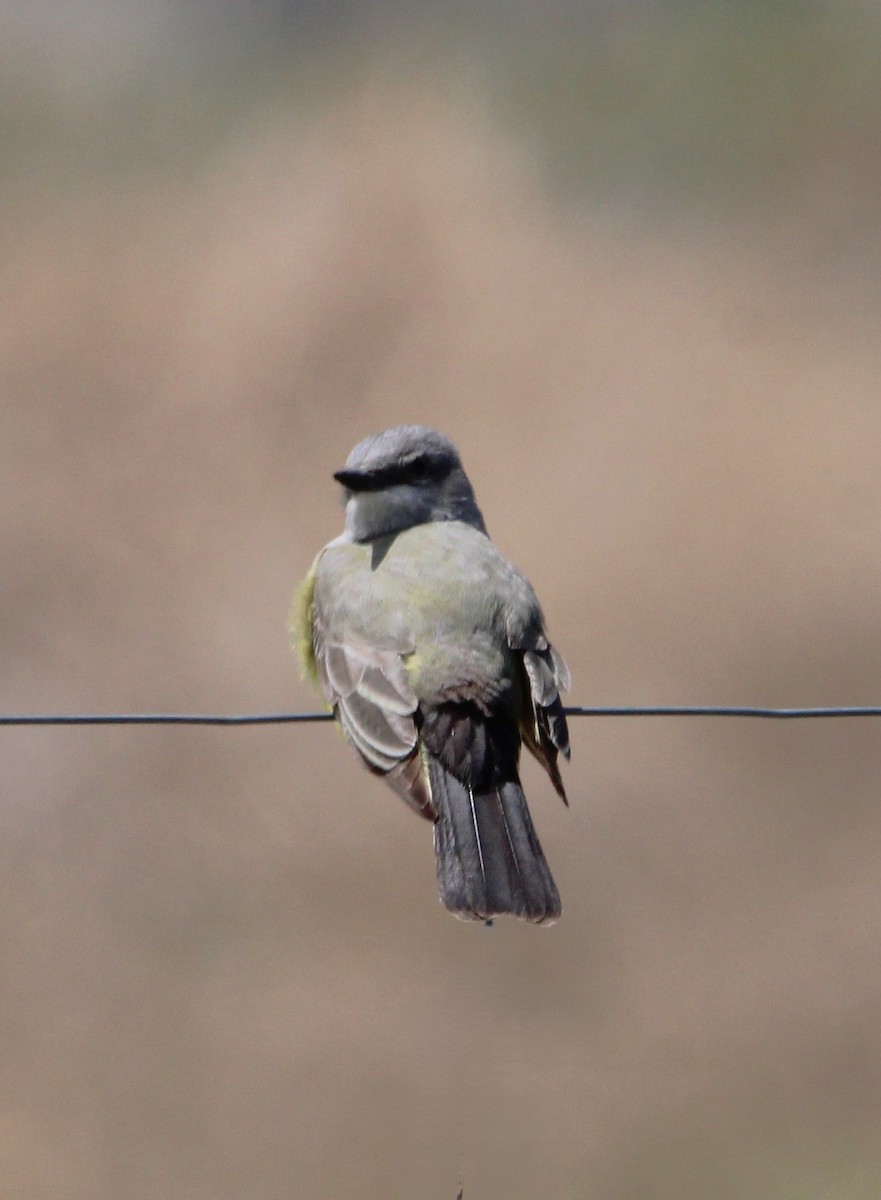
(547, 735)
(374, 703)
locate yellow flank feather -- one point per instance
(300, 625)
(412, 663)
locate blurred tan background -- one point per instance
(628, 256)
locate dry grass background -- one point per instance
(224, 969)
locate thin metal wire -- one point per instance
(681, 710)
(166, 719)
(723, 710)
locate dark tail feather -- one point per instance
(489, 860)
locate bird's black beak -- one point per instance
(354, 481)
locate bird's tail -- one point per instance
(489, 859)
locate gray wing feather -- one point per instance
(376, 706)
(386, 733)
(548, 736)
(375, 758)
(376, 674)
(542, 677)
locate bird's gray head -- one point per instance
(403, 477)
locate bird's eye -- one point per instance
(419, 470)
(426, 469)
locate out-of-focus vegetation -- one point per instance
(728, 103)
(627, 256)
(731, 104)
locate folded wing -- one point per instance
(376, 707)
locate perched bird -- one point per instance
(431, 649)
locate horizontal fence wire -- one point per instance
(632, 710)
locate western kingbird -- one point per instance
(431, 649)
